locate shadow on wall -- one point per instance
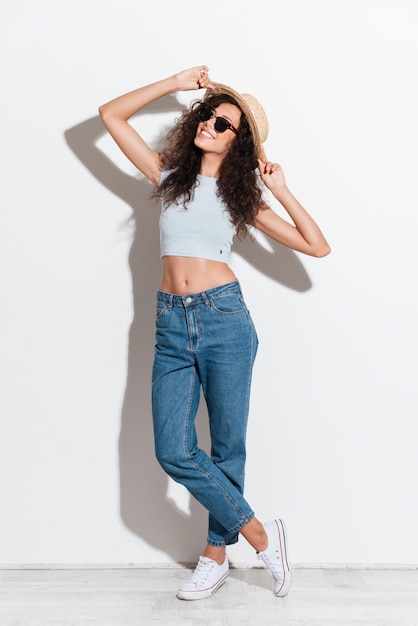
(144, 506)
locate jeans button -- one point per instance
(188, 300)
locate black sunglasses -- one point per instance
(221, 124)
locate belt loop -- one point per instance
(170, 302)
(206, 299)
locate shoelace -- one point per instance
(201, 572)
(273, 567)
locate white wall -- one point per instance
(332, 436)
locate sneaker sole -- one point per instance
(206, 593)
(287, 581)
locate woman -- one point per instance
(210, 189)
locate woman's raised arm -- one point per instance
(304, 235)
(116, 113)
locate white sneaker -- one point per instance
(275, 557)
(205, 580)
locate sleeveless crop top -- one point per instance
(204, 229)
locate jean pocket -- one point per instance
(160, 309)
(228, 304)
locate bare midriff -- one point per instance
(186, 275)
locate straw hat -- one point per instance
(252, 109)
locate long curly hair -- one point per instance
(238, 183)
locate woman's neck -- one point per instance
(210, 165)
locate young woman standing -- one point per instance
(210, 180)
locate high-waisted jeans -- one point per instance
(205, 340)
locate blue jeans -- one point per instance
(205, 340)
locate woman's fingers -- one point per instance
(268, 167)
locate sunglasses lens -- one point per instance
(205, 113)
(221, 125)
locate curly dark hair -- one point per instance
(238, 183)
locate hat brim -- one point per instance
(255, 113)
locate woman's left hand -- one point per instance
(271, 173)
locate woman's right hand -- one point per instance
(194, 78)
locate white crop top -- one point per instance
(204, 229)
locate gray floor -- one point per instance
(128, 597)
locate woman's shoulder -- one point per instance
(164, 173)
